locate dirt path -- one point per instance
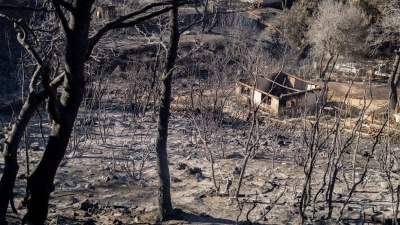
(376, 94)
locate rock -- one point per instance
(143, 184)
(337, 196)
(378, 217)
(73, 200)
(109, 196)
(113, 177)
(192, 171)
(175, 179)
(384, 184)
(89, 186)
(35, 146)
(199, 177)
(90, 195)
(117, 214)
(126, 211)
(102, 168)
(181, 166)
(83, 205)
(368, 212)
(123, 204)
(106, 178)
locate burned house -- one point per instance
(280, 93)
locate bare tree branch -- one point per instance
(61, 15)
(120, 22)
(51, 94)
(21, 36)
(25, 8)
(68, 6)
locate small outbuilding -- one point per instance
(280, 94)
(105, 13)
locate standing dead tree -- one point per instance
(252, 65)
(75, 20)
(164, 193)
(393, 82)
(387, 30)
(43, 70)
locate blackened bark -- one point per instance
(164, 193)
(323, 73)
(40, 183)
(10, 154)
(393, 82)
(11, 146)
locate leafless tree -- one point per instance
(338, 28)
(293, 24)
(75, 20)
(387, 29)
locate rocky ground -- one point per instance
(109, 174)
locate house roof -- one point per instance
(278, 84)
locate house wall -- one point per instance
(292, 80)
(238, 90)
(309, 100)
(105, 12)
(275, 105)
(257, 97)
(301, 85)
(273, 108)
(303, 101)
(310, 86)
(292, 106)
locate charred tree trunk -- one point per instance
(322, 74)
(164, 194)
(40, 183)
(393, 82)
(11, 145)
(10, 154)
